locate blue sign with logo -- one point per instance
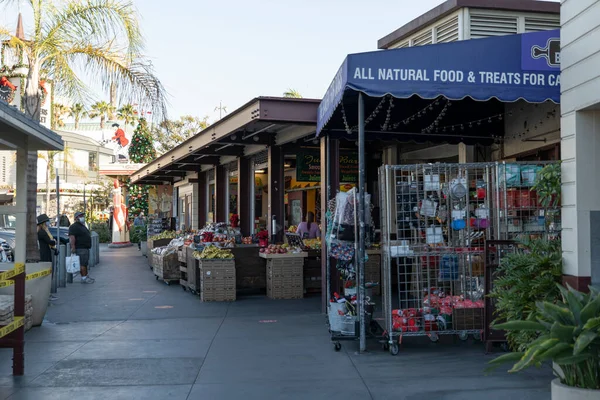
(508, 68)
(540, 51)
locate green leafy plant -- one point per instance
(138, 234)
(548, 185)
(569, 337)
(525, 277)
(101, 228)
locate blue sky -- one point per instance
(233, 50)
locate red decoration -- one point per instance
(5, 82)
(120, 138)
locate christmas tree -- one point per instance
(138, 199)
(142, 149)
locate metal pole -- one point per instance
(361, 221)
(326, 206)
(55, 259)
(62, 266)
(54, 282)
(84, 203)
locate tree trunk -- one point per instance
(113, 100)
(33, 105)
(76, 123)
(102, 117)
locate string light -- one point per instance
(490, 119)
(346, 126)
(436, 121)
(388, 115)
(375, 111)
(418, 114)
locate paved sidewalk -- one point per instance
(129, 336)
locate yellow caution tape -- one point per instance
(28, 277)
(18, 269)
(13, 326)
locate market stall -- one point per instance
(444, 93)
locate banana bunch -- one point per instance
(164, 235)
(213, 252)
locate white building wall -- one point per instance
(580, 139)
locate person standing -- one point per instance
(81, 243)
(309, 229)
(45, 239)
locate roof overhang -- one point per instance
(19, 131)
(257, 123)
(448, 7)
(403, 86)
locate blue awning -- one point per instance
(505, 68)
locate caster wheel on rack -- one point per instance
(477, 337)
(337, 346)
(167, 283)
(434, 337)
(156, 277)
(394, 349)
(183, 287)
(463, 336)
(385, 346)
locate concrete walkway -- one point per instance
(129, 336)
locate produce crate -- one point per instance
(467, 319)
(373, 272)
(285, 278)
(181, 254)
(166, 267)
(217, 280)
(193, 277)
(152, 244)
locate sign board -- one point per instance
(308, 166)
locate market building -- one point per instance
(580, 129)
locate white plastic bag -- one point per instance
(73, 265)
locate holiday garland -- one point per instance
(142, 149)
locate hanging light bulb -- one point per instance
(490, 120)
(462, 127)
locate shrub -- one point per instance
(138, 234)
(101, 228)
(524, 278)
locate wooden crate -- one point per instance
(285, 278)
(166, 267)
(181, 255)
(192, 269)
(217, 280)
(467, 319)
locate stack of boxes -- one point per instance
(285, 278)
(217, 280)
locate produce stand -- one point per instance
(250, 269)
(166, 268)
(285, 275)
(152, 244)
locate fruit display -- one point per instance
(292, 229)
(247, 240)
(312, 244)
(213, 253)
(280, 249)
(164, 235)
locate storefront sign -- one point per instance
(308, 167)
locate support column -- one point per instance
(221, 194)
(276, 192)
(330, 185)
(580, 198)
(244, 200)
(466, 154)
(202, 198)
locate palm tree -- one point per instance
(128, 114)
(101, 35)
(222, 109)
(292, 93)
(69, 163)
(58, 112)
(101, 109)
(78, 111)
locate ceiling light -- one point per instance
(259, 171)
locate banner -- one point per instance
(308, 166)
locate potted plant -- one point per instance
(569, 337)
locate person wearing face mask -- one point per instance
(46, 241)
(81, 243)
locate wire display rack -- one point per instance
(435, 221)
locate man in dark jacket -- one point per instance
(45, 239)
(80, 239)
